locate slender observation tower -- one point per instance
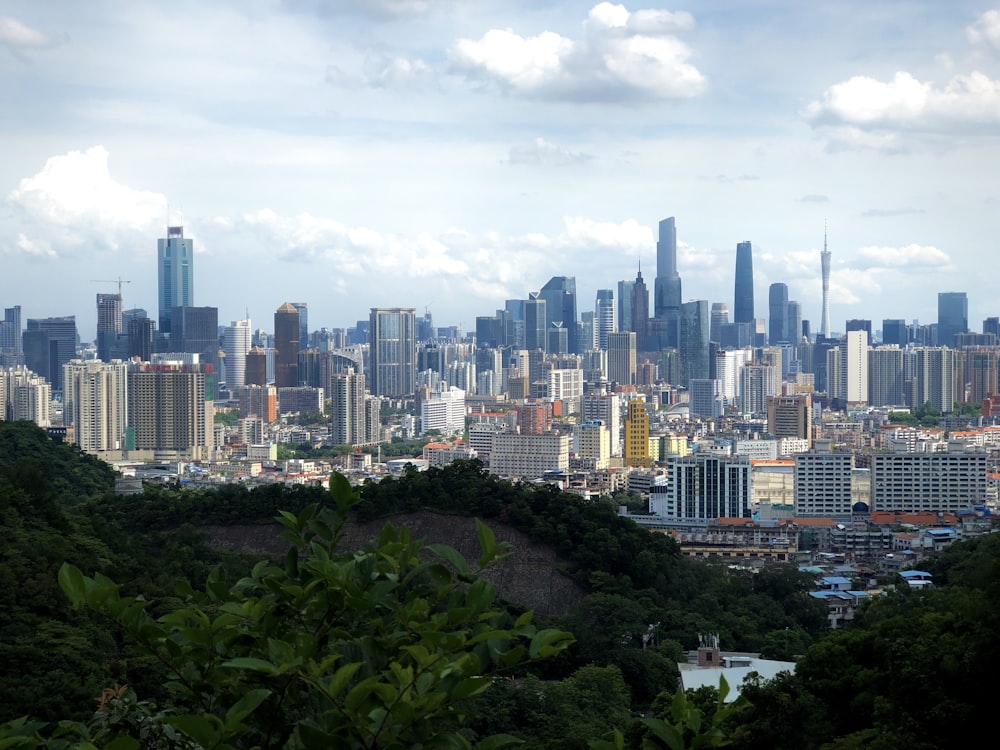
(824, 327)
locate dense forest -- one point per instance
(909, 671)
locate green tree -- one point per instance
(377, 648)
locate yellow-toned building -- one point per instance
(637, 435)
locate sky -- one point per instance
(447, 155)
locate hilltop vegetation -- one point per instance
(910, 670)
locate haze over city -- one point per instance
(451, 155)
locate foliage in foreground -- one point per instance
(377, 648)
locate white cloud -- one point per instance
(74, 204)
(621, 56)
(397, 73)
(911, 257)
(541, 152)
(986, 30)
(16, 36)
(907, 103)
(388, 9)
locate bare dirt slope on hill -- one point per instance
(531, 576)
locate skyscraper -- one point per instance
(824, 257)
(303, 309)
(10, 330)
(640, 313)
(794, 322)
(720, 317)
(175, 273)
(392, 333)
(109, 324)
(622, 357)
(695, 327)
(667, 285)
(286, 344)
(236, 345)
(743, 294)
(52, 344)
(604, 316)
(625, 305)
(777, 320)
(894, 331)
(559, 294)
(95, 403)
(170, 410)
(953, 316)
(535, 315)
(196, 330)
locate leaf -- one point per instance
(487, 543)
(244, 707)
(497, 740)
(341, 492)
(452, 556)
(254, 665)
(72, 582)
(122, 742)
(665, 732)
(341, 677)
(198, 728)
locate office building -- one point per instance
(10, 330)
(175, 274)
(559, 294)
(625, 305)
(49, 343)
(743, 310)
(705, 398)
(140, 332)
(236, 345)
(823, 482)
(393, 351)
(109, 325)
(534, 321)
(640, 313)
(444, 412)
(790, 417)
(171, 411)
(719, 318)
(937, 482)
(528, 456)
(667, 285)
(636, 430)
(286, 346)
(953, 317)
(694, 339)
(256, 367)
(777, 321)
(604, 317)
(622, 357)
(195, 330)
(895, 332)
(701, 487)
(302, 308)
(95, 403)
(794, 322)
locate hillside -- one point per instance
(532, 576)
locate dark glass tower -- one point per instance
(667, 285)
(777, 322)
(559, 294)
(286, 345)
(640, 313)
(743, 297)
(953, 316)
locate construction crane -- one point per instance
(119, 281)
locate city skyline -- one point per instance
(391, 153)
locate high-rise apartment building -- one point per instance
(109, 324)
(170, 410)
(260, 402)
(393, 354)
(953, 317)
(622, 357)
(286, 345)
(885, 376)
(743, 311)
(934, 482)
(24, 396)
(95, 403)
(175, 274)
(348, 425)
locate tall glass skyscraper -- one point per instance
(953, 316)
(743, 297)
(175, 273)
(777, 320)
(667, 285)
(392, 337)
(559, 294)
(695, 328)
(604, 316)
